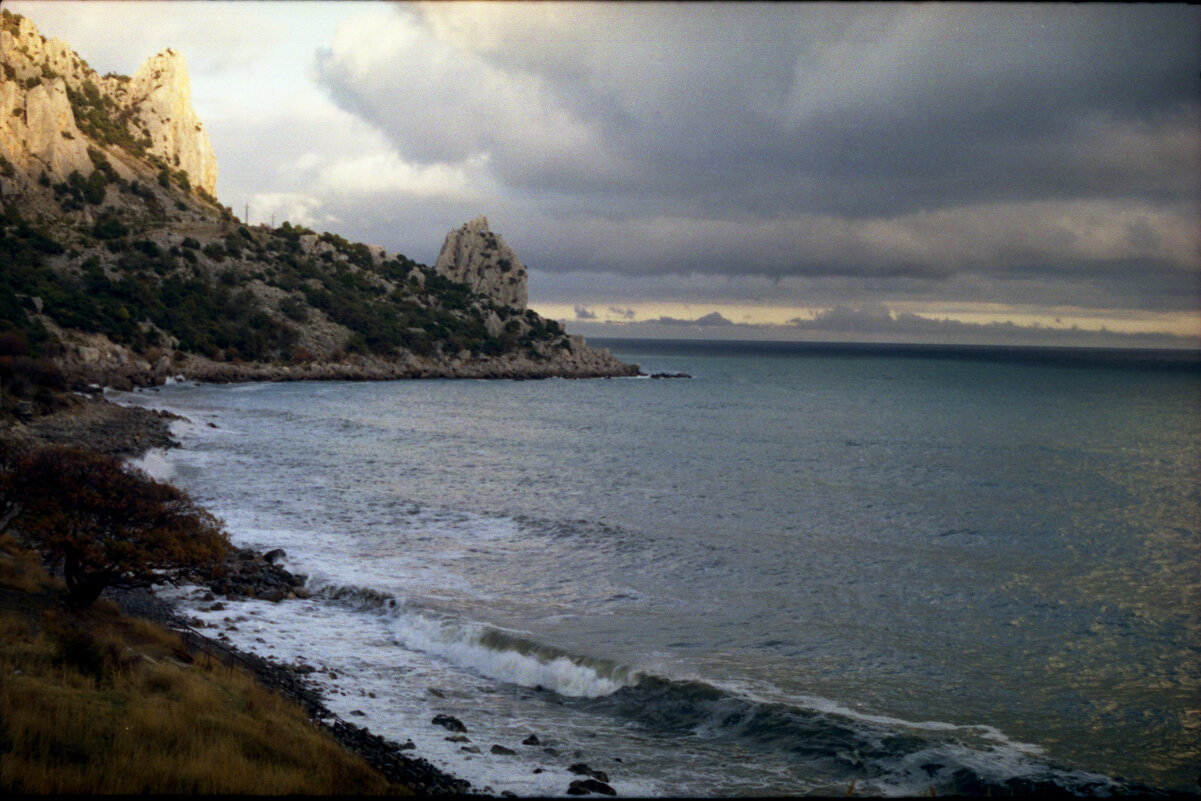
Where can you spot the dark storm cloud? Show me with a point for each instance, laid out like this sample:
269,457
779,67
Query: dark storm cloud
910,142
584,313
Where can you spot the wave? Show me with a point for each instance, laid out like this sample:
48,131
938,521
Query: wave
880,753
883,754
154,463
491,651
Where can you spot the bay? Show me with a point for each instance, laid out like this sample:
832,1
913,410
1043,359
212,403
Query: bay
966,570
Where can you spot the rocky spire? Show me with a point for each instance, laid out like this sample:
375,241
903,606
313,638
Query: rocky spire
475,256
161,95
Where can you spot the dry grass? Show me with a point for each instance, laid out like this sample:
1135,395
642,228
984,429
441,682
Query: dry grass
95,703
21,569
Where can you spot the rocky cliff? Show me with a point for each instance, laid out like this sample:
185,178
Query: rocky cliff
49,94
475,256
116,259
160,97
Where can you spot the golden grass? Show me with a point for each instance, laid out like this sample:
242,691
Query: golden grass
21,569
95,703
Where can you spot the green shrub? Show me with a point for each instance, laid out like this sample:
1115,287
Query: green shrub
295,309
109,228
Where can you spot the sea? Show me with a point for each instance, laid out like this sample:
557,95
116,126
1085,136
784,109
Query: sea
805,570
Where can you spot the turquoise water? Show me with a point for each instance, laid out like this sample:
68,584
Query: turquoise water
962,570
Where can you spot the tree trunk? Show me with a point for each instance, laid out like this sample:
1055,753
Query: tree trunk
83,588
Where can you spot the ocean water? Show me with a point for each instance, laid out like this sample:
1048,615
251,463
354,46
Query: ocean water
965,571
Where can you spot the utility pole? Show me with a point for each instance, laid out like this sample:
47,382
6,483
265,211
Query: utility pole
246,216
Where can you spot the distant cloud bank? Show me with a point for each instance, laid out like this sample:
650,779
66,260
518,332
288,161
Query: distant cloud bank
877,323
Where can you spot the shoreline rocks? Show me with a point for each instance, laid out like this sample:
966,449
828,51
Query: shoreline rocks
383,754
246,573
112,365
125,432
129,432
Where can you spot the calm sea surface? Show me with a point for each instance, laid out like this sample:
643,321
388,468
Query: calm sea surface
908,568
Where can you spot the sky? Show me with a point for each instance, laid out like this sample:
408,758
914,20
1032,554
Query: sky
975,173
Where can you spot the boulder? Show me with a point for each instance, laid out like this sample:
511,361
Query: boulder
585,786
449,723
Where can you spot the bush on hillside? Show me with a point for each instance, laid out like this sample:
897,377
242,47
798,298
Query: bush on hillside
110,525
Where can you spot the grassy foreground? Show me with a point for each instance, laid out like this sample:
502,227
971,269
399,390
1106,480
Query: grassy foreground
96,702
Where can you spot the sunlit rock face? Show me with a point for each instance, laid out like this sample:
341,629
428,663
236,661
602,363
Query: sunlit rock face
39,132
42,131
37,127
475,256
160,93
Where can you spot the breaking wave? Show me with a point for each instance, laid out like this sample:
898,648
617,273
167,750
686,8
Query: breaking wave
491,651
887,755
880,753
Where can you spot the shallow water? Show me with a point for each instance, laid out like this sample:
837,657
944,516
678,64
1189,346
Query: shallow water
796,570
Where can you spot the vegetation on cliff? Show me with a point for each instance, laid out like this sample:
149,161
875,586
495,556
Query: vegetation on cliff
234,293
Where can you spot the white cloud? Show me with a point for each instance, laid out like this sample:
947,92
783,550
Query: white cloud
296,208
119,36
388,173
442,102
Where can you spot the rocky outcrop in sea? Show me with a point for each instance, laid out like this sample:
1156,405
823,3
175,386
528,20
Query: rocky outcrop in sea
474,255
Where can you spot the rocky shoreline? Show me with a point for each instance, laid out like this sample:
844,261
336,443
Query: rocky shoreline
125,432
386,756
94,360
129,432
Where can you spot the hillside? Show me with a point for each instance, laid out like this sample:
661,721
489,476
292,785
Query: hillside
119,266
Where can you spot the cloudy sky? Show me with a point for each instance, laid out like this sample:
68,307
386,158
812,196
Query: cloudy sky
895,171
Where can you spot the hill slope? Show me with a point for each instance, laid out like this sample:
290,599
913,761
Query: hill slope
117,262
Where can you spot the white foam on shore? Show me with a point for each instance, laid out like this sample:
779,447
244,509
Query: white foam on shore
155,463
367,680
508,657
488,650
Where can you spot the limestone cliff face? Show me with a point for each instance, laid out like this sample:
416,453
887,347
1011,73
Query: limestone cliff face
37,126
41,134
44,84
160,94
475,256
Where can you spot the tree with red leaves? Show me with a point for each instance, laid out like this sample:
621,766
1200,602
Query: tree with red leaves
111,525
